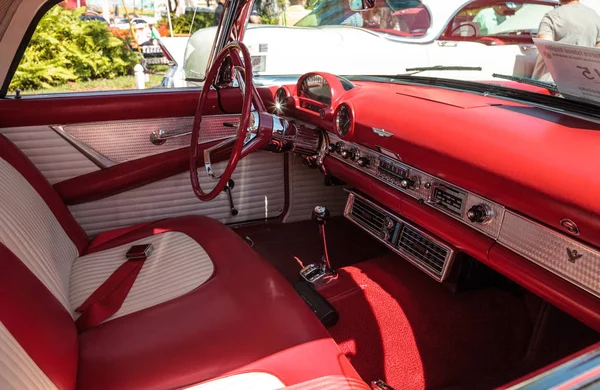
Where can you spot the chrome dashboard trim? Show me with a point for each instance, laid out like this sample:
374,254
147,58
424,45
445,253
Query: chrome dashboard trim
557,253
424,188
451,254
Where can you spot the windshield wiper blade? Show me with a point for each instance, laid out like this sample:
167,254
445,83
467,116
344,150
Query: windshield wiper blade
412,71
526,80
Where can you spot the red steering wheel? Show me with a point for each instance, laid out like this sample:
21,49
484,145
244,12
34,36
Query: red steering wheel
240,68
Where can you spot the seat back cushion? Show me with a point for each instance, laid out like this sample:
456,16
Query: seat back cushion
39,241
35,225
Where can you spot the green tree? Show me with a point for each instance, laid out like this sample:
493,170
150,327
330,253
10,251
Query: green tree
65,48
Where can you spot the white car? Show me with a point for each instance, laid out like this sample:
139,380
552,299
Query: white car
412,34
123,24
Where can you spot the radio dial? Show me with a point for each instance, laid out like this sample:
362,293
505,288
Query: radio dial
479,213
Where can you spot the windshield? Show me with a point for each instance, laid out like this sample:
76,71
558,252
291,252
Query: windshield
482,41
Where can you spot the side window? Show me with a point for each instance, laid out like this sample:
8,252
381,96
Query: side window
108,45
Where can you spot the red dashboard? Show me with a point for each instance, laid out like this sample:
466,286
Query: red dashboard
534,168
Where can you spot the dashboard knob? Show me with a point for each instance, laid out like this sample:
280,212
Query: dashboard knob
348,154
363,162
478,213
384,235
331,148
339,146
388,223
407,183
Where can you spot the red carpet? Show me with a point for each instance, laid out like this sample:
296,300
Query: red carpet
399,325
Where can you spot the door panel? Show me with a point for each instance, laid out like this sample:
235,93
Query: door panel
97,142
258,194
121,141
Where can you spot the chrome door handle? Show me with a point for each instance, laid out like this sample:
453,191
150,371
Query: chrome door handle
161,136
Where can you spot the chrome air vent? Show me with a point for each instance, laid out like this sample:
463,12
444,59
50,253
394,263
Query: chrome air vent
423,250
371,218
428,253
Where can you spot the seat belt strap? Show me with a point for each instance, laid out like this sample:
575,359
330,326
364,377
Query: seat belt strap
109,297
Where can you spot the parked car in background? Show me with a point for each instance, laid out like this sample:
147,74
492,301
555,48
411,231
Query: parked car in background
415,33
97,18
123,24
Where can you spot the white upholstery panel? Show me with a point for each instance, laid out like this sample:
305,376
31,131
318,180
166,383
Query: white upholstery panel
17,369
30,230
177,265
307,190
259,193
57,159
245,381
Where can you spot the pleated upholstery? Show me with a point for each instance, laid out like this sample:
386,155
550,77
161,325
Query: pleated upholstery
30,230
177,265
17,369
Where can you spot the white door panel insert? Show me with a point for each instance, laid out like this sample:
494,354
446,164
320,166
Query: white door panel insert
259,193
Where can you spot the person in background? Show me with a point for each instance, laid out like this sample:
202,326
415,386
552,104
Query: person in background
254,16
572,23
489,18
292,15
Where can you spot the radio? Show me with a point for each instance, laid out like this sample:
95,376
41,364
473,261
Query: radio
448,199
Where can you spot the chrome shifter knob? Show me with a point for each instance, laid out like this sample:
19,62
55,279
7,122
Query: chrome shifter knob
320,214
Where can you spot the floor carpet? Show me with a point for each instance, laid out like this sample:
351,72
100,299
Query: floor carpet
399,325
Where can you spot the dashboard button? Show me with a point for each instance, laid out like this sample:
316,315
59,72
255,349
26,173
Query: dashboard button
348,154
363,162
407,183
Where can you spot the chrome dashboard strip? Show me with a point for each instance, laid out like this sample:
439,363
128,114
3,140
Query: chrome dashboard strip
559,254
424,190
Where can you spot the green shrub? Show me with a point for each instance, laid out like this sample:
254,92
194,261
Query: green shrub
182,23
65,48
269,19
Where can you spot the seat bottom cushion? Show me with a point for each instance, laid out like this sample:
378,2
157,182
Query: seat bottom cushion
177,265
245,318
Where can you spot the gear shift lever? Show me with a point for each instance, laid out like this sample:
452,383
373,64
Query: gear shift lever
321,273
320,214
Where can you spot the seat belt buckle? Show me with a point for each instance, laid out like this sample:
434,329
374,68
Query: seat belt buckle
139,252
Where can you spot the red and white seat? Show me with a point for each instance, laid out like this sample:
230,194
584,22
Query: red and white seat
204,305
